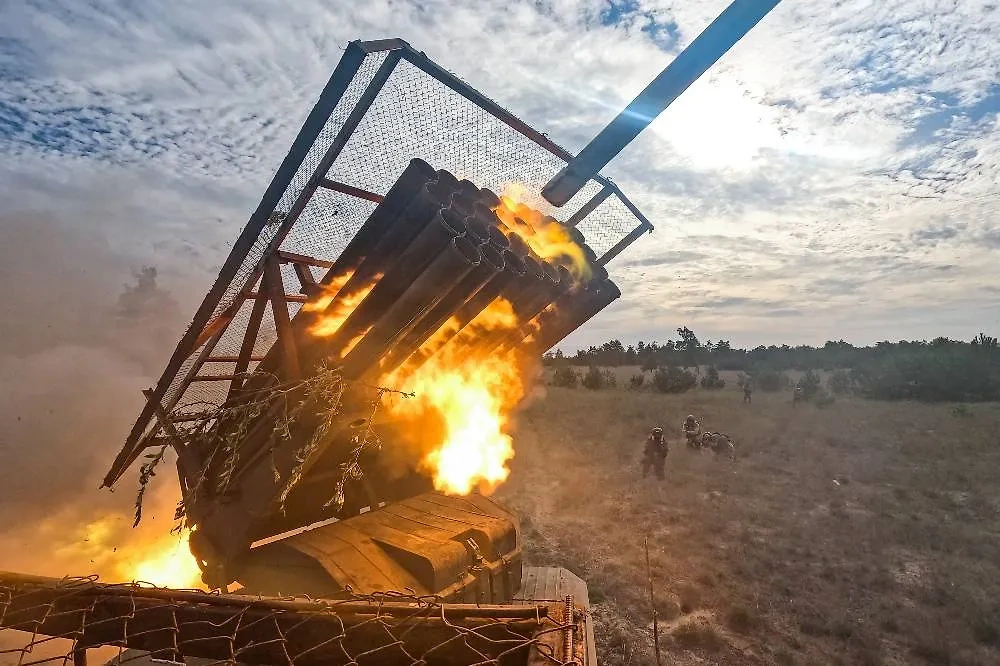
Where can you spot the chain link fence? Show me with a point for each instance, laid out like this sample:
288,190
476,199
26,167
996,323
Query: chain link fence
76,620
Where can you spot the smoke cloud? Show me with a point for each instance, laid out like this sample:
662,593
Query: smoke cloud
83,329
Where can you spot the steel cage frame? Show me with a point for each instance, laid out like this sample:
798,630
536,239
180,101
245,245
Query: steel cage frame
209,323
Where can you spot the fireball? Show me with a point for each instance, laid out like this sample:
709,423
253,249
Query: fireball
332,315
473,400
545,235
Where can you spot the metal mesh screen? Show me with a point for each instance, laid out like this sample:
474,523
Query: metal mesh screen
333,125
69,620
415,115
355,89
604,226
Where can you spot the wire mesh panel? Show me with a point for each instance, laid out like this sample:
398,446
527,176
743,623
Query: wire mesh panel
305,172
45,620
385,105
416,115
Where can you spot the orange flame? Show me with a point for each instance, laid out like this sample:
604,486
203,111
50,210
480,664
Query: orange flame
473,397
168,563
440,336
545,235
496,316
110,547
331,318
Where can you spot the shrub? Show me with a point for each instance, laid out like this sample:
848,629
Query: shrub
636,381
566,377
594,379
986,630
839,382
961,411
711,380
672,379
770,380
810,385
742,619
741,379
610,380
695,633
649,364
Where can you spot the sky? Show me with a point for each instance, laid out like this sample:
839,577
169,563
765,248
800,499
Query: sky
834,176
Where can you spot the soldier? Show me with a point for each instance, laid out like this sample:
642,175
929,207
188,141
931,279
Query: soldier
692,432
655,454
720,443
747,391
797,396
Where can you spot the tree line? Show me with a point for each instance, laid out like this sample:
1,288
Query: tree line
941,369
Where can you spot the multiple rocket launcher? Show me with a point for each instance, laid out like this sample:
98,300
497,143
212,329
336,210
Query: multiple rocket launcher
432,256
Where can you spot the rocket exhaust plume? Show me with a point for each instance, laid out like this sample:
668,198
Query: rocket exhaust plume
491,264
442,227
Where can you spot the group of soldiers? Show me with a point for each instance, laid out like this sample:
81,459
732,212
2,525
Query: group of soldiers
654,457
655,453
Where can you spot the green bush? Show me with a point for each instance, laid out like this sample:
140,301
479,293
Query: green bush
566,377
810,385
672,379
711,380
770,380
594,379
839,382
649,364
961,411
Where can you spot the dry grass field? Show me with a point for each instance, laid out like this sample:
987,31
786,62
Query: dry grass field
858,533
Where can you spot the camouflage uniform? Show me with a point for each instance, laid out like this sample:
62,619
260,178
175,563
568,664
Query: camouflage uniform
747,392
719,443
797,396
655,454
692,432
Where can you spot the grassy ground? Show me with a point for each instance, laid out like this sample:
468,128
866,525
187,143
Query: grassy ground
859,533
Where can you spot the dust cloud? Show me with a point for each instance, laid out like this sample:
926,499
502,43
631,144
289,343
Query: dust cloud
82,330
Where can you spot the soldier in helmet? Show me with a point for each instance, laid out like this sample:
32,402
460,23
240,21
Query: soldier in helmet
748,390
797,396
655,454
692,432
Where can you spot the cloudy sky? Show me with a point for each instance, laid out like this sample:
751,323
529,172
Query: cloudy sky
834,176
